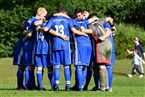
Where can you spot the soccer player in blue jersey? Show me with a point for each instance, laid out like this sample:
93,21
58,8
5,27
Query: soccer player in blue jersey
112,62
83,50
28,47
61,52
42,55
18,60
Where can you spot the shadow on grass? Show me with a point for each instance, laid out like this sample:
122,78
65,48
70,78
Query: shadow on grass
119,73
8,89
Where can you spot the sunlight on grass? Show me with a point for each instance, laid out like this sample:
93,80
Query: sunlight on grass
122,85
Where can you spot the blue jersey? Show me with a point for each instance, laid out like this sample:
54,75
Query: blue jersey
82,40
29,43
61,25
42,42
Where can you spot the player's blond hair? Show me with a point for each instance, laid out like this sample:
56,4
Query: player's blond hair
41,10
86,14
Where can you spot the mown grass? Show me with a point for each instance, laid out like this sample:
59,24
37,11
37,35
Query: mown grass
122,85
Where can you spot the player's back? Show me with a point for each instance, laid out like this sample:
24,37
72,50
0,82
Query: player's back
61,25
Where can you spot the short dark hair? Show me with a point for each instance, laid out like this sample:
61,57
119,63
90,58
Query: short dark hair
92,15
48,16
78,10
61,8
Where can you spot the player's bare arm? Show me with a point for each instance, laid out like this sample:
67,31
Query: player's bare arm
27,37
87,31
108,32
78,32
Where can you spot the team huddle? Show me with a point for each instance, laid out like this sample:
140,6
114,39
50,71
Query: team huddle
49,41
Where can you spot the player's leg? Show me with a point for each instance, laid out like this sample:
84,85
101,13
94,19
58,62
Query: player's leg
51,76
110,76
56,61
103,77
79,77
88,77
29,71
67,61
20,74
96,76
67,77
39,72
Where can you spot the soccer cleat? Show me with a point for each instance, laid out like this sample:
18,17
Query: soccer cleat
56,89
110,90
129,75
80,89
42,89
95,89
74,88
20,88
85,89
67,89
141,75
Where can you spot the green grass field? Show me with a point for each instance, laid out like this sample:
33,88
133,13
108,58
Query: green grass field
123,86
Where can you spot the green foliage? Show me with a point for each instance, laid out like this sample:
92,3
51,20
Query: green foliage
124,39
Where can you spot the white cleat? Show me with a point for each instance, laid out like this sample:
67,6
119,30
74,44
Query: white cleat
129,75
140,76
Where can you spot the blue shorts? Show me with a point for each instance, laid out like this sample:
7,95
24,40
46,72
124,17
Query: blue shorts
61,57
82,56
42,60
28,58
18,57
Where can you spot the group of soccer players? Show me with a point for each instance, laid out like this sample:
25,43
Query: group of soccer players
47,43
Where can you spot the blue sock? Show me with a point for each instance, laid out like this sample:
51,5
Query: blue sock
39,78
88,77
67,76
97,79
51,78
110,76
20,73
84,74
57,75
79,77
26,77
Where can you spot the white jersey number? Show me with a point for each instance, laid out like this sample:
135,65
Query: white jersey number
59,29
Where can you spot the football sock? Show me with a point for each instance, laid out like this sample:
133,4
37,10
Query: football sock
67,76
20,73
51,78
84,74
79,77
39,78
96,76
88,77
110,76
57,75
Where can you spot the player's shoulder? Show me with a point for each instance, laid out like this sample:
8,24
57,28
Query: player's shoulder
32,19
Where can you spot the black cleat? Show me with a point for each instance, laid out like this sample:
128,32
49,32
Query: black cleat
67,89
56,89
42,89
74,88
80,89
95,89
